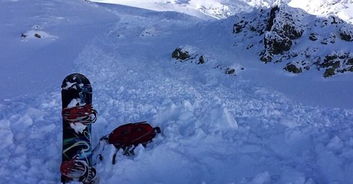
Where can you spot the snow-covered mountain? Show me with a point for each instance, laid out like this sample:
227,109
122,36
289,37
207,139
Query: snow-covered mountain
341,8
226,116
201,8
225,8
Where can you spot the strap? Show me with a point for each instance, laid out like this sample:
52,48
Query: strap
98,150
82,114
114,156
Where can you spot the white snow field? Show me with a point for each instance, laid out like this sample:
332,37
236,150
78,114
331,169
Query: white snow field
260,126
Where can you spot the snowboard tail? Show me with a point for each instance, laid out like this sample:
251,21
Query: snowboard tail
78,115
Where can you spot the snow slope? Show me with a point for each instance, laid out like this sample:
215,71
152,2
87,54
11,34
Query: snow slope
32,65
217,128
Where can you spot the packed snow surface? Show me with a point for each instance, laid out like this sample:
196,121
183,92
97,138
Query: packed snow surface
259,126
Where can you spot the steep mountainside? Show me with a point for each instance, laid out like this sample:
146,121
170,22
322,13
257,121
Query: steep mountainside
300,40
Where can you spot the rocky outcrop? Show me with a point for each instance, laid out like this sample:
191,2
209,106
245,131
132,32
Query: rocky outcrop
276,44
282,27
337,63
297,38
180,54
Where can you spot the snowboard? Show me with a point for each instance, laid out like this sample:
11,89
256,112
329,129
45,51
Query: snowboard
78,116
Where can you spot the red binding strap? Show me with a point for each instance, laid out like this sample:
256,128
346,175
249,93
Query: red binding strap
80,114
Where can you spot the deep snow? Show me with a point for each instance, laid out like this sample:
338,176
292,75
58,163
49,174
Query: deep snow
217,128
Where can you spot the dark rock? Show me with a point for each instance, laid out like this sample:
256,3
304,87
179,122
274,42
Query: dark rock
329,72
350,69
292,68
249,46
265,56
284,24
23,35
324,42
346,37
336,63
272,17
230,71
346,33
238,27
334,20
330,57
37,35
178,53
307,67
331,61
292,32
201,60
313,36
350,61
276,44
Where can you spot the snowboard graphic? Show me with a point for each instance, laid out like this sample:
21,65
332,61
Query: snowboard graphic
78,115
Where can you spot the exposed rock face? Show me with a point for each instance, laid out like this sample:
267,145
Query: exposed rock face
298,38
276,44
337,63
282,27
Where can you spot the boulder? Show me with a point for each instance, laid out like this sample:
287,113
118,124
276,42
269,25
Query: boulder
292,68
180,54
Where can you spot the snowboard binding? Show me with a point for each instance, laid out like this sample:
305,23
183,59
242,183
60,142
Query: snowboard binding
79,169
81,114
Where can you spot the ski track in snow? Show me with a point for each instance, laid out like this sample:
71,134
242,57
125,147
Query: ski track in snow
216,128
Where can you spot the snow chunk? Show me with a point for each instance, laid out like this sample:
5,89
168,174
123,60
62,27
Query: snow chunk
229,119
218,117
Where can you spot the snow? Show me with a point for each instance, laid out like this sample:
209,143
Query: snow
256,127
